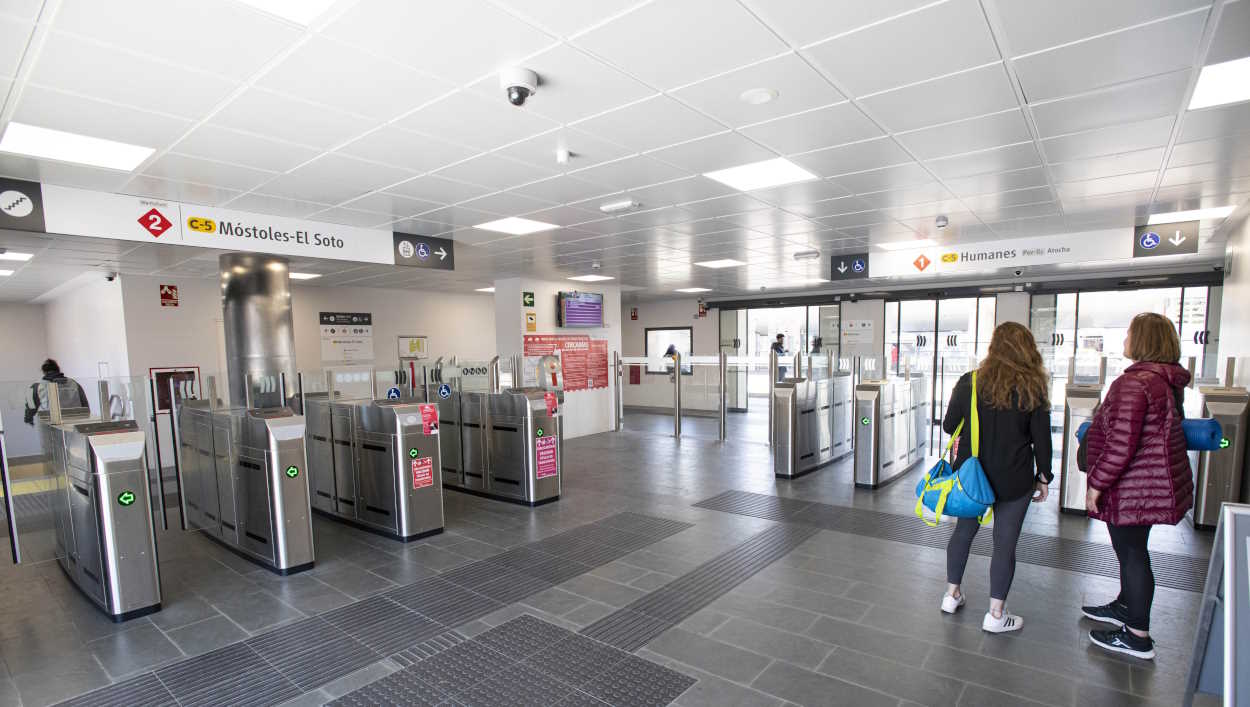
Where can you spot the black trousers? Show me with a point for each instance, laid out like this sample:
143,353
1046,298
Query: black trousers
1137,580
1008,521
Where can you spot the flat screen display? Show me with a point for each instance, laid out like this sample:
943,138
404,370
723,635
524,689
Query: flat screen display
581,309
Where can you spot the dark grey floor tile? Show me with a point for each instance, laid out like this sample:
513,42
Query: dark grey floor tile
819,602
58,683
207,635
602,590
786,618
711,691
311,652
519,686
902,681
619,572
651,581
805,687
141,691
356,582
141,648
383,625
709,655
978,696
555,601
354,681
589,613
181,610
575,660
234,675
1001,675
637,682
772,642
257,610
869,640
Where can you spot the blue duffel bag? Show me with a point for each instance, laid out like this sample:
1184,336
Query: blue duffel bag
1202,434
959,493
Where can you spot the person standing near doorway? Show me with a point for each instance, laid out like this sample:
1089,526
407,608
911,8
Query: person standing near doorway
779,348
70,393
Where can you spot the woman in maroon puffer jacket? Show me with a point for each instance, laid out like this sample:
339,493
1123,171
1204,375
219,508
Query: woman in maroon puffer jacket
1139,474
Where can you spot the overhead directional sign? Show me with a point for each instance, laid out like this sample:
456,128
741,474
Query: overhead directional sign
852,266
424,252
1165,239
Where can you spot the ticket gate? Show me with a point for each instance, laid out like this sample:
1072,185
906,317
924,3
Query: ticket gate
798,445
1080,399
244,480
892,428
842,414
376,464
102,511
1218,478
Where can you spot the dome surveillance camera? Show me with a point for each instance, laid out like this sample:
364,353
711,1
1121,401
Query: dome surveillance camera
109,277
1019,272
518,84
596,265
942,222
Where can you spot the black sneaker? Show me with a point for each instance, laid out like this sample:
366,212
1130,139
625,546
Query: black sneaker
1124,641
1113,613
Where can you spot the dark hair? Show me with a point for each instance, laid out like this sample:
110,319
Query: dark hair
1152,338
49,366
781,336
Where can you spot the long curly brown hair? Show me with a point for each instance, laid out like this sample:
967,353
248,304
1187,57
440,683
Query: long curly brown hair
1013,364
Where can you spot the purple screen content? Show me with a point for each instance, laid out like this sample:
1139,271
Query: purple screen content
582,309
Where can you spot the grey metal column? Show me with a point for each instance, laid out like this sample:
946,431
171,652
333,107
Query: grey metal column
9,511
721,395
772,384
176,443
618,398
156,444
256,311
677,395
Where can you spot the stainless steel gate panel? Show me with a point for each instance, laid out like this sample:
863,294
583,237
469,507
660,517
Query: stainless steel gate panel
224,461
473,434
450,441
320,451
1219,476
1080,399
342,429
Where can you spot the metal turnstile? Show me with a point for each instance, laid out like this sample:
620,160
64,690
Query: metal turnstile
1218,478
1080,399
524,456
891,424
385,471
1220,663
842,414
245,481
102,511
797,437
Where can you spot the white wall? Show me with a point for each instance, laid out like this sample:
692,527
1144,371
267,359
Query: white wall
1012,307
698,389
1234,319
86,330
25,347
871,310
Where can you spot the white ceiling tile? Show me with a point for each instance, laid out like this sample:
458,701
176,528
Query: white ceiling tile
920,193
585,149
563,18
460,216
366,176
656,217
1108,141
506,204
461,40
404,148
1032,26
964,95
1232,148
564,215
1004,213
67,175
437,189
14,34
1107,185
422,227
858,218
1219,174
724,206
276,206
830,207
85,116
392,204
630,172
1214,122
895,177
713,153
651,123
802,21
217,143
801,193
799,87
676,192
1108,166
469,119
1111,59
1139,100
1030,227
940,39
562,189
1015,197
824,127
308,188
967,135
217,36
493,171
67,64
332,73
219,174
998,159
572,85
1232,36
855,157
266,113
668,43
1002,181
352,217
156,188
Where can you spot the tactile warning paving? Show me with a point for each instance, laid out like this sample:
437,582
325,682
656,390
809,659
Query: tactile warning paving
143,691
428,648
461,666
383,625
522,636
234,675
644,524
399,689
576,660
1185,572
580,699
648,616
635,682
311,652
519,686
444,602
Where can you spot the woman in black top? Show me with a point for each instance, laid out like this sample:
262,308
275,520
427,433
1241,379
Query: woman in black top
1015,452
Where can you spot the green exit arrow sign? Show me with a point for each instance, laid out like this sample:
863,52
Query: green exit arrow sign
865,420
539,432
412,453
1224,443
292,471
125,498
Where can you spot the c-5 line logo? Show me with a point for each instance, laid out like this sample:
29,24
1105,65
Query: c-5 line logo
16,204
201,224
950,257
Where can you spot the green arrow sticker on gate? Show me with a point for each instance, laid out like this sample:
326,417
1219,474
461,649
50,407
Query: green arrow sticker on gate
864,420
539,432
1224,443
412,453
292,471
126,498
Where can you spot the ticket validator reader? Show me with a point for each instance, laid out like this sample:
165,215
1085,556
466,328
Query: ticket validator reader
891,427
1080,399
811,420
1219,475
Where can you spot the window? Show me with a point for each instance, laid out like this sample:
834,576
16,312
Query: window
658,341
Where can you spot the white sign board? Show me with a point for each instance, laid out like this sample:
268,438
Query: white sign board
346,337
414,347
857,331
970,258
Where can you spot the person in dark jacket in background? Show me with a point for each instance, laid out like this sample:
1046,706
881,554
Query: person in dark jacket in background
1139,474
1015,452
52,374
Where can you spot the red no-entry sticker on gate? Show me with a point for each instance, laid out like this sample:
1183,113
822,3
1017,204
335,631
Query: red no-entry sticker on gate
552,403
429,418
422,472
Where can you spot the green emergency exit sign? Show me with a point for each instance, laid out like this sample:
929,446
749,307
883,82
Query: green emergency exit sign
413,453
292,471
527,299
1224,443
865,420
126,498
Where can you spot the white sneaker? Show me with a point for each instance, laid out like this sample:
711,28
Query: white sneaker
1008,622
950,604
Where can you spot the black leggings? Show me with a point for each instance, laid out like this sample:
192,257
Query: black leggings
1008,520
1137,580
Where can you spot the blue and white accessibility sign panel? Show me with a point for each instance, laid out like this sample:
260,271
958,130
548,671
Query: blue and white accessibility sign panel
444,391
392,393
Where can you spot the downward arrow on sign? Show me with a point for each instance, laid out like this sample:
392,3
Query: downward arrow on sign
1177,239
842,267
441,253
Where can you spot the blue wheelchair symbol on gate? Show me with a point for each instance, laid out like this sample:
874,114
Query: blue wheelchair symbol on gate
423,251
444,391
1150,240
392,393
857,265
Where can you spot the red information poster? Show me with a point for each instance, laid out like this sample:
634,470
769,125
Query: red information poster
546,461
422,472
429,418
584,361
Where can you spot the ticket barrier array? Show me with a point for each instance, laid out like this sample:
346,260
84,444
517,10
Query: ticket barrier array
812,423
1219,474
891,428
375,463
243,474
102,510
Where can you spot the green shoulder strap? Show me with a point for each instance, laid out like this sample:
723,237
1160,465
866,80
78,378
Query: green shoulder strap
976,423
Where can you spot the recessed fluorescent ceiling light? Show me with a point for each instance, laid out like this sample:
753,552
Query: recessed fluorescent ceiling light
761,175
1227,82
5,273
304,276
692,290
43,143
516,226
613,207
485,289
904,245
1195,215
13,255
723,263
301,12
590,278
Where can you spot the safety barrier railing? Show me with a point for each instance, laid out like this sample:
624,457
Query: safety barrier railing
702,380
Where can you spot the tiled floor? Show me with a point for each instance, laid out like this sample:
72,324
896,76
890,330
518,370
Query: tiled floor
839,618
